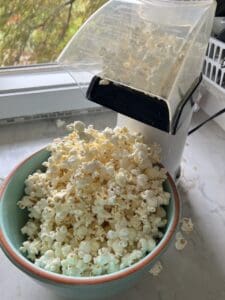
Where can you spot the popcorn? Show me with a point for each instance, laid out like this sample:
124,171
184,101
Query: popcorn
104,82
120,178
156,269
97,207
49,262
30,229
60,123
142,181
129,259
187,225
87,258
146,245
77,126
180,243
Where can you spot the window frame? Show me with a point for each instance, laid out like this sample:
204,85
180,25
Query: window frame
39,89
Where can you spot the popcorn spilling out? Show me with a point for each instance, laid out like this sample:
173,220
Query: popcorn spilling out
99,206
180,243
187,225
156,269
60,123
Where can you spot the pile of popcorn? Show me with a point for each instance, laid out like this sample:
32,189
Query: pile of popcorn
99,205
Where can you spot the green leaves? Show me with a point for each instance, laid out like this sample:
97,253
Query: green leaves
37,31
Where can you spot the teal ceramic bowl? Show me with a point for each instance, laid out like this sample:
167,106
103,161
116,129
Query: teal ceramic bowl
12,219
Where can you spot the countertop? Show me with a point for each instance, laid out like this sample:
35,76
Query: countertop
197,272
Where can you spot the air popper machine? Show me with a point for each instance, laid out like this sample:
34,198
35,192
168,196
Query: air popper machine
143,59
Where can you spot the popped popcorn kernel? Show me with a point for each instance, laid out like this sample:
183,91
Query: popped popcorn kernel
60,123
156,269
187,225
180,242
99,206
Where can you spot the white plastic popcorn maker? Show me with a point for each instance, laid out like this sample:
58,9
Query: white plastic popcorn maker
143,59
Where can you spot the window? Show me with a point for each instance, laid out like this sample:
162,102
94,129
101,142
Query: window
33,32
32,35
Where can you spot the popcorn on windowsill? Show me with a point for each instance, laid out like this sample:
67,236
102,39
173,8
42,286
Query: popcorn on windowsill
60,123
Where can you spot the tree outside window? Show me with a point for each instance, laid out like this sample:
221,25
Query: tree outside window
36,31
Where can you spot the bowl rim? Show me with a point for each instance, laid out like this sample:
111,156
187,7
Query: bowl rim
41,274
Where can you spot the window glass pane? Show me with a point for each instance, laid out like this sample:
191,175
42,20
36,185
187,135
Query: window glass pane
36,31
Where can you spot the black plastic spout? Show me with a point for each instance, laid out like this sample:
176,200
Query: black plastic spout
142,107
132,103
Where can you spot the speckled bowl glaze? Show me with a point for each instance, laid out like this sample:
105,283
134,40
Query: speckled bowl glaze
12,219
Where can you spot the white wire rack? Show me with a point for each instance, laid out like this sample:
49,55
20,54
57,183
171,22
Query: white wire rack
214,64
212,90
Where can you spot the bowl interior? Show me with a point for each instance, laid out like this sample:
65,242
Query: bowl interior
13,218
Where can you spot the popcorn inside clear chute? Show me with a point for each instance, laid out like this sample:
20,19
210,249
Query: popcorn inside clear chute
99,206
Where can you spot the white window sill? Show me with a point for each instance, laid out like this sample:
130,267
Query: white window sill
31,78
41,89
